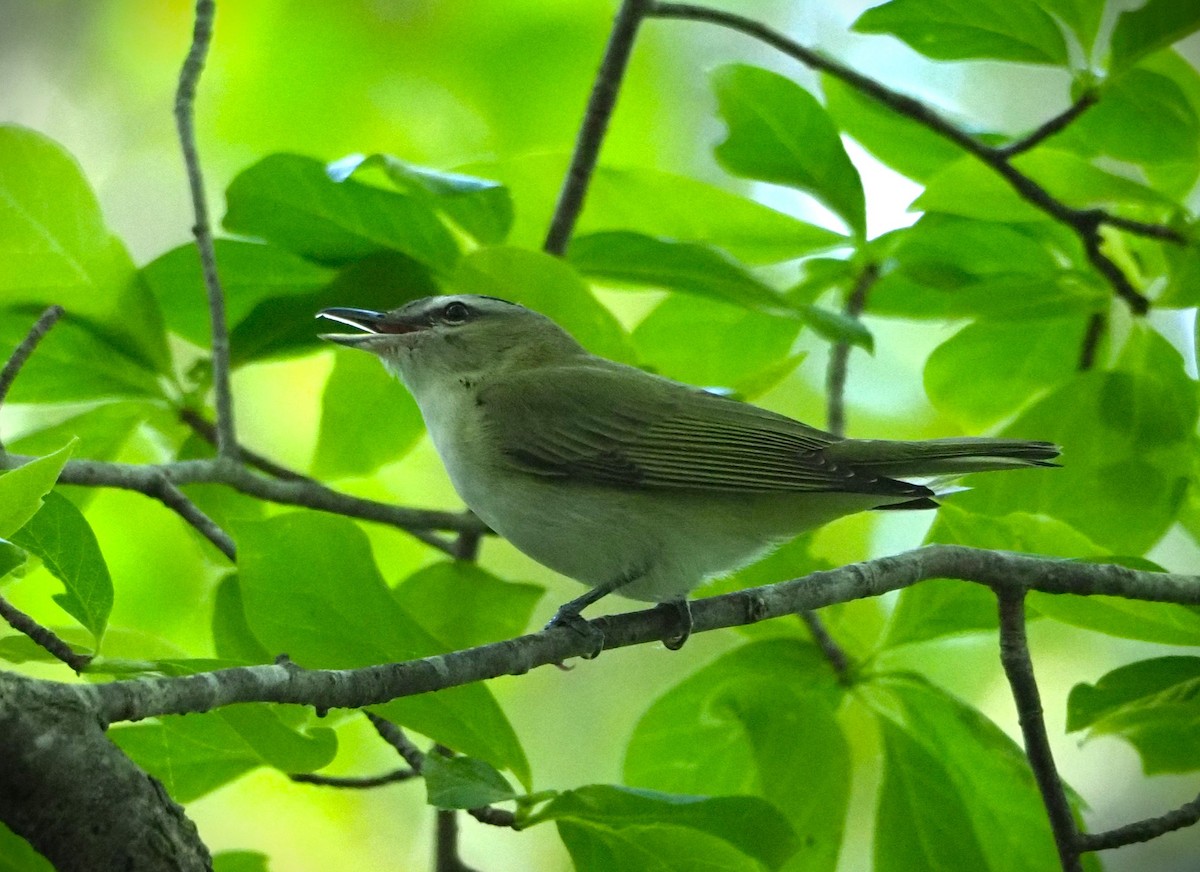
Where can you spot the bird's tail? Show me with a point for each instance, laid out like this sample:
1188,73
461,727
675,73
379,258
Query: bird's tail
939,457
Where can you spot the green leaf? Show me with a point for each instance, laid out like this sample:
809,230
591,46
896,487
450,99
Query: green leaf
958,793
712,344
1153,704
990,370
74,363
481,207
1082,16
619,829
295,572
838,327
642,261
11,557
900,142
240,861
463,782
17,855
367,418
779,133
195,754
22,489
938,608
102,431
745,710
285,325
548,285
1127,451
1183,277
250,274
1142,117
1165,623
61,536
462,606
1008,30
56,249
658,204
1145,30
232,637
290,201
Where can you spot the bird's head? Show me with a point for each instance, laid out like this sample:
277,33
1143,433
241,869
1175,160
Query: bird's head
456,336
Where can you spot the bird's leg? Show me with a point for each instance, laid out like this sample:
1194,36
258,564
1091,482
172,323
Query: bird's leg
683,614
568,615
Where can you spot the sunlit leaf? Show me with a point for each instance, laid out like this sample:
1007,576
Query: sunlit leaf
958,793
481,207
463,782
22,489
1153,704
1155,25
61,536
631,258
56,249
745,709
290,201
295,572
1010,30
778,132
367,418
195,754
462,605
659,204
620,829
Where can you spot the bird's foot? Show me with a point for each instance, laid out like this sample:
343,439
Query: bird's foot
568,616
682,610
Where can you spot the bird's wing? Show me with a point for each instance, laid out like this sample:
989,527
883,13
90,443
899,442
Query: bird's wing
604,423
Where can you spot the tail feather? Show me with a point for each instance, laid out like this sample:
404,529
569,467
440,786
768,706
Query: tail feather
940,456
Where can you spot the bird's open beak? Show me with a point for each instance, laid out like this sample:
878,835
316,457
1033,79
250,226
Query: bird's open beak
373,324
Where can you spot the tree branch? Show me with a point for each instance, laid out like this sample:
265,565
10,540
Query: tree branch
21,353
1097,324
207,431
356,688
1142,831
306,493
356,783
595,123
43,636
839,354
185,97
1055,125
1085,222
1014,655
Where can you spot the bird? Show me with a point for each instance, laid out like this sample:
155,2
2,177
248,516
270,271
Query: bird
622,479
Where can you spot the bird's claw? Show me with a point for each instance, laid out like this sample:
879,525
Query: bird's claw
566,617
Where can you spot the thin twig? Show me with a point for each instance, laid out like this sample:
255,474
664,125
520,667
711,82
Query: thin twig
1142,831
446,857
207,431
595,122
839,354
175,500
21,353
352,782
1097,324
1055,125
1085,222
145,479
395,736
43,636
185,97
1014,655
834,653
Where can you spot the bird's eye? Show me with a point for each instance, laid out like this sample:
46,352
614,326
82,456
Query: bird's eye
455,313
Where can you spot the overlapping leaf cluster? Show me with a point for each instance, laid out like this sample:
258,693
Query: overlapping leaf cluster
748,763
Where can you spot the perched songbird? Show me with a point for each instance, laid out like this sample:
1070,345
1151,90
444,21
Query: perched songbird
623,480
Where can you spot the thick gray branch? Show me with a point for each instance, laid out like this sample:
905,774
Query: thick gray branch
1002,571
76,797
